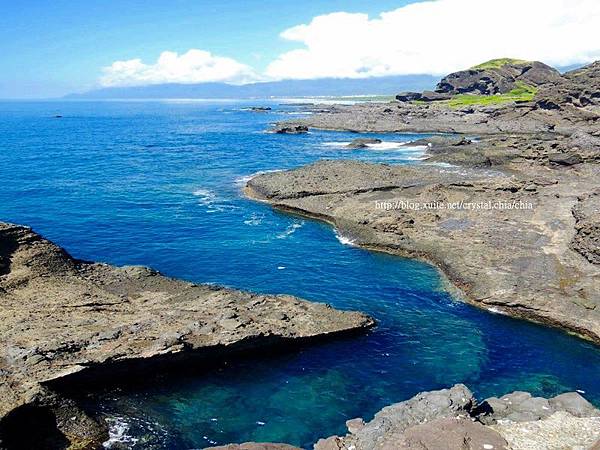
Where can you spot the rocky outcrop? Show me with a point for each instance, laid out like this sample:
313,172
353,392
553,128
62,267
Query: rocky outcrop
498,77
577,88
290,129
507,189
453,419
62,318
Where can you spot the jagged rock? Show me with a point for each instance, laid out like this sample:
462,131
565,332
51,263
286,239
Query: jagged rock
451,419
62,318
498,78
579,87
363,143
389,424
291,129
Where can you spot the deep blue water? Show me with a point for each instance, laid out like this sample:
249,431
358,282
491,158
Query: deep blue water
159,184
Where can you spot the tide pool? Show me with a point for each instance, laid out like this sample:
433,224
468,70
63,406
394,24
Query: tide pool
159,184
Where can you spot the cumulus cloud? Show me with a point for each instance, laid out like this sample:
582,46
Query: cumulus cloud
442,36
432,37
194,66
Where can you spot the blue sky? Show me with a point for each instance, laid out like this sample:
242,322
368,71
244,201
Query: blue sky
50,48
53,47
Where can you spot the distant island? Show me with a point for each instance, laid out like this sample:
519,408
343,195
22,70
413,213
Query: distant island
388,85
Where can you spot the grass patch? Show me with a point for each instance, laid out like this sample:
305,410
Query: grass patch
521,93
498,63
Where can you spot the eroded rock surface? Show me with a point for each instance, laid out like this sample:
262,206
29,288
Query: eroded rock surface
61,316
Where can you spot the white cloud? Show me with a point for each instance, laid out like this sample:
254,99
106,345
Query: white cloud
194,66
441,36
433,37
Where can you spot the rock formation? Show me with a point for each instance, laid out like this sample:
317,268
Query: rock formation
531,225
62,318
452,419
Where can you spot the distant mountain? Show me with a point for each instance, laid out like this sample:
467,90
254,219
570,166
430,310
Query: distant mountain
388,85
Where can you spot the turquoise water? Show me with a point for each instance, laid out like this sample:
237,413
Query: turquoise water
159,184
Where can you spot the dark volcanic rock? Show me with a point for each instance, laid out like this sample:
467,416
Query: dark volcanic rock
260,108
497,80
579,88
291,129
363,143
61,317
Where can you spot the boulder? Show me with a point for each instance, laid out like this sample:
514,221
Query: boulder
408,96
431,96
291,129
574,404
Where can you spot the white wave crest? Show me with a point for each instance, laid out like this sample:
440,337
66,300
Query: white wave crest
344,240
291,229
212,202
241,181
118,429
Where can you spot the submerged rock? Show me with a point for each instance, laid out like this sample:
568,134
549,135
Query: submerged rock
363,143
61,316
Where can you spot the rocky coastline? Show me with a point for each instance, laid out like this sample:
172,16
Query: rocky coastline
64,319
536,259
510,217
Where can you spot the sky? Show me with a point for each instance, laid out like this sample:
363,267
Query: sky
51,48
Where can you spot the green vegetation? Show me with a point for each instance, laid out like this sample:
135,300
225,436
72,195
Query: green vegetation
522,93
498,63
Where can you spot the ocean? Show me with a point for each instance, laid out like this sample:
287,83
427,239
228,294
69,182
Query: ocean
160,184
